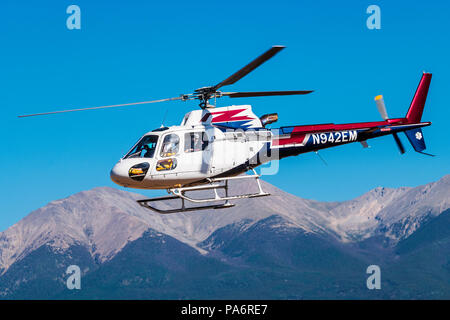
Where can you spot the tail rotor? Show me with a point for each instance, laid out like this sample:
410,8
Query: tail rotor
382,110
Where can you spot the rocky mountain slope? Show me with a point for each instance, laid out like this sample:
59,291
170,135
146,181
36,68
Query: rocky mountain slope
302,237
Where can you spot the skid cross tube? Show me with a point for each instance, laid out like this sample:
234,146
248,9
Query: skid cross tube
180,191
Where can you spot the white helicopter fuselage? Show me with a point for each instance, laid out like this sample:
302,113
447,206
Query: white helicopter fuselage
198,149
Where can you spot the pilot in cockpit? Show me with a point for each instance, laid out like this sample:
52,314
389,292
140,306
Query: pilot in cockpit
148,151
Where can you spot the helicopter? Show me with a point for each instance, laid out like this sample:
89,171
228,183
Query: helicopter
214,145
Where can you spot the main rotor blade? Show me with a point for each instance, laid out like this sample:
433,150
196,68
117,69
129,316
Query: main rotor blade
102,107
264,93
399,143
250,67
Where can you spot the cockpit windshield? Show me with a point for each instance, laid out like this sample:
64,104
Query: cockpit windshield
145,148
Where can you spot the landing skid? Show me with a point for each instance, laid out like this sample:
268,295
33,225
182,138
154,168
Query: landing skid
213,184
145,203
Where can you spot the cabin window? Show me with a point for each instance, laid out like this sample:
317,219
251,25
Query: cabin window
170,145
145,148
195,141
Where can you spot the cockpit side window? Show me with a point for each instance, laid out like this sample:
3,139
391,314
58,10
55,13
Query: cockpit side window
145,148
170,145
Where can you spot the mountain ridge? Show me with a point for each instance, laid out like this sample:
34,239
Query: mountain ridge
105,220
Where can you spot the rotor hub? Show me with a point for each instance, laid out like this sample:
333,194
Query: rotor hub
204,94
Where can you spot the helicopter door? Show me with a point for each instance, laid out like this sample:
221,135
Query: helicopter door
196,154
168,154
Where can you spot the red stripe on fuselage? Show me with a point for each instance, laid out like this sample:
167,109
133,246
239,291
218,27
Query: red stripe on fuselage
296,139
347,126
229,115
299,132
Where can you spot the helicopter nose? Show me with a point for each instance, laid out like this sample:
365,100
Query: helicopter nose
119,174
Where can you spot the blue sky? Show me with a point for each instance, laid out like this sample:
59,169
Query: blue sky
142,50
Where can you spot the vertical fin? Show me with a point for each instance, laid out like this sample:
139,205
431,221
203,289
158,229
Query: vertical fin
415,111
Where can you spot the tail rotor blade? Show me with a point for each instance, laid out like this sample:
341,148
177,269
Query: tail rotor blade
382,110
381,107
399,143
